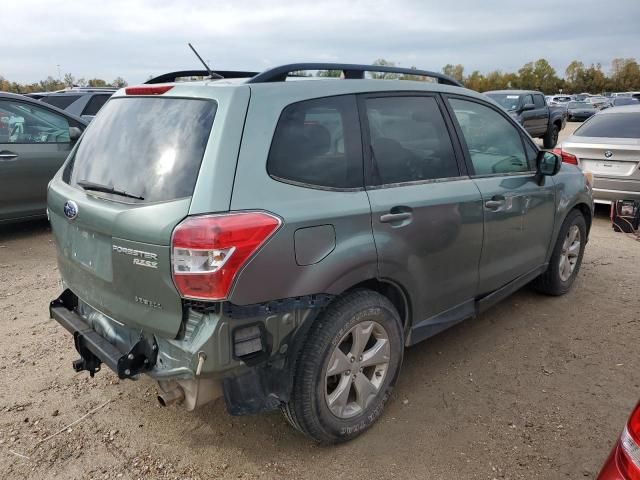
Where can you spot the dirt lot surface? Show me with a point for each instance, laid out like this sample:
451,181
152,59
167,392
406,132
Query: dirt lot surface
536,387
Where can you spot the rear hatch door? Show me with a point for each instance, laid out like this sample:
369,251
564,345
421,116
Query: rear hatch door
114,246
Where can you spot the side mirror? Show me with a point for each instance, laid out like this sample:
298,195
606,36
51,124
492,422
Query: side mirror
528,106
548,163
74,134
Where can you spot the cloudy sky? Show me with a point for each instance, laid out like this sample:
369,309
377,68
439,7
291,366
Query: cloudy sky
138,38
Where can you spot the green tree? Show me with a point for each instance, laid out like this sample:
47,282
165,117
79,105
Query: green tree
454,71
69,80
119,82
384,75
96,82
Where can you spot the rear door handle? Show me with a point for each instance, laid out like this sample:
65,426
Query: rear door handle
395,217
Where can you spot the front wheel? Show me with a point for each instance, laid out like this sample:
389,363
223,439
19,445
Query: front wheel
566,258
347,369
550,138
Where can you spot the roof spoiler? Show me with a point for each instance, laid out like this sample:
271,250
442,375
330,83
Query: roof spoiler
172,76
349,71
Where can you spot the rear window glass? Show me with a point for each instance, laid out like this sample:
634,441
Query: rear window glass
317,143
145,146
60,101
612,125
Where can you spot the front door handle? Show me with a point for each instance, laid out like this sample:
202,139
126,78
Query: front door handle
495,203
8,156
395,217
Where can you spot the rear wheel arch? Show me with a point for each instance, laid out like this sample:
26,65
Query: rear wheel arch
394,293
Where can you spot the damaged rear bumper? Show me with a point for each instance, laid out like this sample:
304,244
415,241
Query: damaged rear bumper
204,363
94,349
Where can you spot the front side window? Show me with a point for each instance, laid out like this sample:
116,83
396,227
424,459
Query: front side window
538,101
527,99
317,143
494,144
26,123
409,140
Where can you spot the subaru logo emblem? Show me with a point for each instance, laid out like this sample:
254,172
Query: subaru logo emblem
70,209
608,154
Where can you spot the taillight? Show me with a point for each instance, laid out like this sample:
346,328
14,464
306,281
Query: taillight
208,251
629,449
148,90
566,157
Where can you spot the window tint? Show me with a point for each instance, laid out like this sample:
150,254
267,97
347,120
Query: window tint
409,140
147,146
60,101
25,123
532,154
527,99
538,101
95,104
494,143
612,125
317,142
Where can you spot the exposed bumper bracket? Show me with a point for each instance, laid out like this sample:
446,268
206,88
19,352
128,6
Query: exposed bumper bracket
94,349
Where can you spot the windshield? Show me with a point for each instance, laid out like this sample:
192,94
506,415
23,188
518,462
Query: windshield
508,101
562,99
612,125
579,105
148,147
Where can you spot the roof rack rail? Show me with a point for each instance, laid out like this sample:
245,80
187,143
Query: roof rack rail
172,76
350,71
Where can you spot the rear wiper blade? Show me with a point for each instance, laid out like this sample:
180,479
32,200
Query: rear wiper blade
96,187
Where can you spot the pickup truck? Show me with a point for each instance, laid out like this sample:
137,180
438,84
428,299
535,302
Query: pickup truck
530,109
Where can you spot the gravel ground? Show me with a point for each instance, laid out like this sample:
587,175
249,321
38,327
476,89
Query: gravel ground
537,387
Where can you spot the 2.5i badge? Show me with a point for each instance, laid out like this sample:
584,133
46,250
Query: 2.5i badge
140,257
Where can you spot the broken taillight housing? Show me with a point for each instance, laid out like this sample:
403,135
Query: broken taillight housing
208,251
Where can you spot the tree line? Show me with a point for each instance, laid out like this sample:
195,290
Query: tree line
539,75
624,75
51,84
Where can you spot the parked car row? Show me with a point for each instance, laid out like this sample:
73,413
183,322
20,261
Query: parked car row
83,102
608,146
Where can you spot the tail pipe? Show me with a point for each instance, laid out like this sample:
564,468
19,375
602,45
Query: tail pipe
175,395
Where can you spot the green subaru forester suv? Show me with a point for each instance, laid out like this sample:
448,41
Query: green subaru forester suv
279,243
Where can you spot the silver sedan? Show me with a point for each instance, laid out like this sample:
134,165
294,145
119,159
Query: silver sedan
608,146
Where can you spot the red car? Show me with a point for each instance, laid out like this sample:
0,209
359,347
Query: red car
624,460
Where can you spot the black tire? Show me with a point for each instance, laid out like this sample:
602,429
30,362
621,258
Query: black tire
551,281
308,409
550,138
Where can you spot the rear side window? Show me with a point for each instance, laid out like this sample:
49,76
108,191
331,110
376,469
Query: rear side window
409,140
95,104
612,125
146,146
317,143
538,101
60,101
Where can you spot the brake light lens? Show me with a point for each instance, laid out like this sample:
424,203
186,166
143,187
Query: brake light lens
566,157
207,252
148,90
624,461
